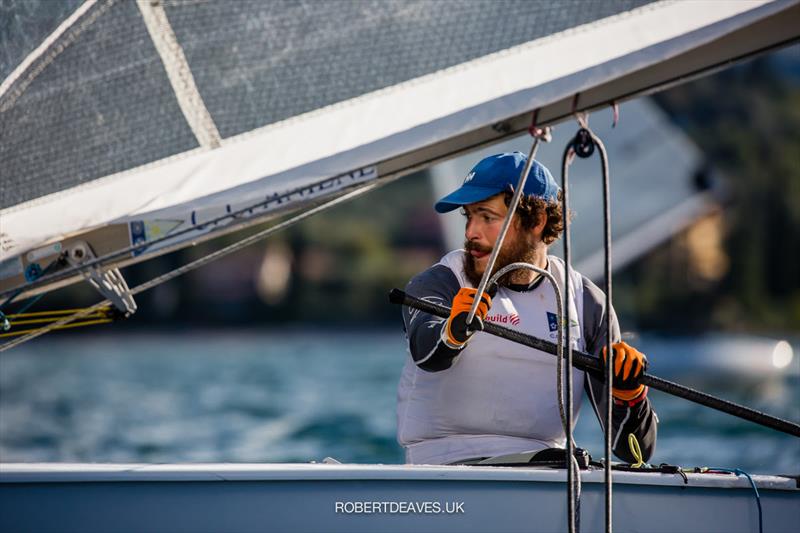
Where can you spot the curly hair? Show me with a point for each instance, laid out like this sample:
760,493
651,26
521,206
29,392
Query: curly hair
529,209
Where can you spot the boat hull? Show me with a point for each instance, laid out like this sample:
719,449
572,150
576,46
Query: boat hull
351,498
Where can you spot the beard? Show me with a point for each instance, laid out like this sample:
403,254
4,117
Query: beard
520,250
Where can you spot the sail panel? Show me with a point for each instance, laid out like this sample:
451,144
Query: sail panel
102,105
396,129
24,27
258,63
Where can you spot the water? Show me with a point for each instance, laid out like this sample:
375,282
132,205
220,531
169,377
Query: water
298,396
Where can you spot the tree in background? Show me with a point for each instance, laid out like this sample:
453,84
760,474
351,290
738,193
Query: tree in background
747,121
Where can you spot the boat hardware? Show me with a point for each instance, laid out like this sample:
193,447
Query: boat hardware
57,263
49,276
110,283
589,363
243,243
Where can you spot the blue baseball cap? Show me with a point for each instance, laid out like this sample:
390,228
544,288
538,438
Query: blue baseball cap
498,173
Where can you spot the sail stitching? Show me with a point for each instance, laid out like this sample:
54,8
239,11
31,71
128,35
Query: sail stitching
54,52
179,73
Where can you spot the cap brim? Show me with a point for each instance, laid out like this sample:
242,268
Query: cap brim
464,196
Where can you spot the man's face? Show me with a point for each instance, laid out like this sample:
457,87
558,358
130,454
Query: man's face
484,220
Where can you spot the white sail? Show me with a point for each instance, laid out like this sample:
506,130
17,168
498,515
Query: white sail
320,146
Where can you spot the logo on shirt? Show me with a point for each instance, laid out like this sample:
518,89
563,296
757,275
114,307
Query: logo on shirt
512,319
552,322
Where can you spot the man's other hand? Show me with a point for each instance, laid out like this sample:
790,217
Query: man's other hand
628,365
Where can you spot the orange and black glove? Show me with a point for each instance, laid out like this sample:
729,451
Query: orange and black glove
455,334
628,365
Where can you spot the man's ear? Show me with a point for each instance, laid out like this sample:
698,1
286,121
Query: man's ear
540,224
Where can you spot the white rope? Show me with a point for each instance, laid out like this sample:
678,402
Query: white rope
179,74
559,335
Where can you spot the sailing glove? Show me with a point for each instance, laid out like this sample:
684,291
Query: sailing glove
455,333
628,365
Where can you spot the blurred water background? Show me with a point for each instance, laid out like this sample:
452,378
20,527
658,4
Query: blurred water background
300,395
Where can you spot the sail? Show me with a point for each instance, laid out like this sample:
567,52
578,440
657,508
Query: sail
123,123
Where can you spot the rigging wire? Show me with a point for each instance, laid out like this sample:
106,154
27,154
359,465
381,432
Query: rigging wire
583,145
609,360
499,243
566,159
538,134
243,243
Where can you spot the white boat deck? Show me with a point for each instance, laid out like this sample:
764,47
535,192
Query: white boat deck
131,472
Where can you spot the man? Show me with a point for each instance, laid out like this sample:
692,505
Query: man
466,395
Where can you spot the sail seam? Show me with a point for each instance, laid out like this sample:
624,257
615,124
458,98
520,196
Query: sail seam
479,61
54,52
179,73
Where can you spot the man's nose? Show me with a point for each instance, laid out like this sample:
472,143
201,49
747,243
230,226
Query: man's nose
471,231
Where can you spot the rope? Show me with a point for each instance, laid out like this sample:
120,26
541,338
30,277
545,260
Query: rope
103,315
560,332
740,472
247,241
566,159
571,463
636,451
29,304
583,145
51,319
46,313
65,326
607,249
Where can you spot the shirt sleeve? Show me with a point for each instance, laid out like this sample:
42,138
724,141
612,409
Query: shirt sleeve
639,419
437,285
